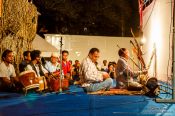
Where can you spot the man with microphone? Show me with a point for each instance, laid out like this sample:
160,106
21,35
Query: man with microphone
126,77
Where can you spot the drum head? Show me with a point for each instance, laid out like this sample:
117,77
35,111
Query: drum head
27,72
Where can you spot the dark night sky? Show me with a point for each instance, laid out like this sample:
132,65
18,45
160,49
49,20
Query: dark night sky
88,17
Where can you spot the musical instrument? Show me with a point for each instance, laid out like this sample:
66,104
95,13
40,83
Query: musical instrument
139,51
42,83
61,60
150,85
28,80
56,73
152,55
134,86
55,84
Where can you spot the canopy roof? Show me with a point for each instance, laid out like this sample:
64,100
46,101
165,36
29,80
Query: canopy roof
41,44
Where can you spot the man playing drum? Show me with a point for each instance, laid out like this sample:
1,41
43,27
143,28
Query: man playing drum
36,64
37,67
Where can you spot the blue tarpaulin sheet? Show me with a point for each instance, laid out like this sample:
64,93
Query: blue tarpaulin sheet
75,102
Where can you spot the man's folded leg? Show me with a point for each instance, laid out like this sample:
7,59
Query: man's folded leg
105,85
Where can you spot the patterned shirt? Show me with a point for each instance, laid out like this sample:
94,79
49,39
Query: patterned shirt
89,73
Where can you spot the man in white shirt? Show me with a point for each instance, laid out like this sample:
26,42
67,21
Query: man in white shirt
53,65
7,72
93,80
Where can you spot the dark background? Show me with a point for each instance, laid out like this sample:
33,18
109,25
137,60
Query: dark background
88,17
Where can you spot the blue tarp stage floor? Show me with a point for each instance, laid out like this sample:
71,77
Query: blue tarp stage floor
77,103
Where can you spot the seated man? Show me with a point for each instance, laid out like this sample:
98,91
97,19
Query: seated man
125,75
26,61
93,80
111,71
75,71
8,79
66,65
40,72
35,64
53,66
104,66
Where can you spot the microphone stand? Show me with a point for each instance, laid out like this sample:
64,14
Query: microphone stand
61,60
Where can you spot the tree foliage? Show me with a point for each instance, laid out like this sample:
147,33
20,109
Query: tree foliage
89,17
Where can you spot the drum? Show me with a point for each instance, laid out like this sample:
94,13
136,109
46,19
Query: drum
42,83
55,84
65,84
56,73
150,84
28,80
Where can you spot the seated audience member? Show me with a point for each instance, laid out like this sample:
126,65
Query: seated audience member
114,65
8,80
125,75
104,66
91,79
25,62
111,71
75,73
66,65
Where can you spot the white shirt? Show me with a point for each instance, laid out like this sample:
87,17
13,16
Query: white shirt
89,73
7,71
52,68
29,67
